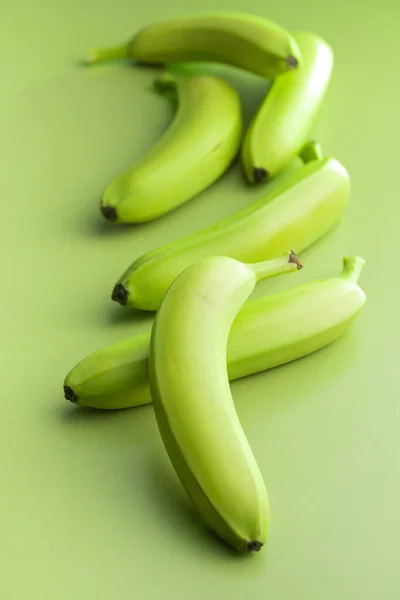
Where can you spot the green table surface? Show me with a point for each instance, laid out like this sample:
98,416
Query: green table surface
90,506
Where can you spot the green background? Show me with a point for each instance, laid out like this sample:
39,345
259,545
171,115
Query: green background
90,507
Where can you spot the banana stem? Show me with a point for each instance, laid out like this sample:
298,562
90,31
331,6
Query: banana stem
269,268
105,54
310,151
352,267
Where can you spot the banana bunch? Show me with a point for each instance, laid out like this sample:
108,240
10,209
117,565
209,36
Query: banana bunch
206,332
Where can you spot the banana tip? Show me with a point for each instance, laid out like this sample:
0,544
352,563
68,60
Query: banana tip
294,259
120,294
90,57
109,213
292,62
254,546
70,394
260,174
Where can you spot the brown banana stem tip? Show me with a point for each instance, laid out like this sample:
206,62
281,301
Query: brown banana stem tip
293,259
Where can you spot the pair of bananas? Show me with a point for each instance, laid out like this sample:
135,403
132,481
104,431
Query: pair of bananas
205,333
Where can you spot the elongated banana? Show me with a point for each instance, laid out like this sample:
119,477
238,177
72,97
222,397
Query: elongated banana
196,150
242,40
192,400
267,332
283,121
297,213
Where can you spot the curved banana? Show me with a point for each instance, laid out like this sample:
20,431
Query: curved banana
197,149
283,120
242,40
192,400
267,332
298,212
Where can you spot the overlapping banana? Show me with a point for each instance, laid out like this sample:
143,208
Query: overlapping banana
267,332
202,335
197,149
192,400
282,123
296,214
246,41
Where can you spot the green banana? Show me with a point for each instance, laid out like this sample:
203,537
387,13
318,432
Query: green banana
296,322
197,149
267,332
298,212
238,39
192,400
283,121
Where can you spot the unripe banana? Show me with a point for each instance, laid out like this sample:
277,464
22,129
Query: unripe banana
196,150
298,212
296,322
283,120
242,40
192,400
267,332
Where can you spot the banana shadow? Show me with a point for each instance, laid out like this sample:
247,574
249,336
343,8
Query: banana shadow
122,426
99,226
297,381
70,413
160,485
119,314
173,508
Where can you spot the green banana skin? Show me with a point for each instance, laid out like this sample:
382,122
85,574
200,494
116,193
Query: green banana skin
195,151
296,322
283,121
267,332
242,40
192,400
296,214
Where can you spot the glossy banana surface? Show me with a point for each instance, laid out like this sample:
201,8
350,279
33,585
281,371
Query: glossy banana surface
242,40
197,149
294,215
282,123
192,400
267,332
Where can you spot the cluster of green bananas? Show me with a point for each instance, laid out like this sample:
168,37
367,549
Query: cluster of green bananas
205,332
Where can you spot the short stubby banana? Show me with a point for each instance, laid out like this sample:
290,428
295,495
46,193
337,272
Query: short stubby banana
283,121
296,214
267,332
197,149
242,40
192,400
